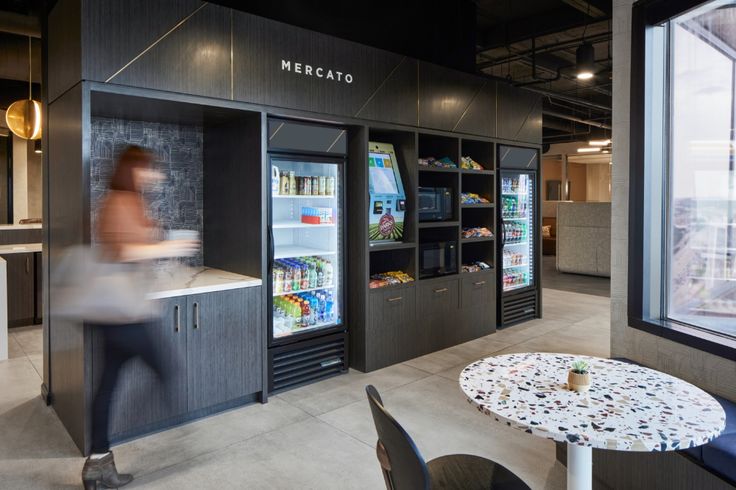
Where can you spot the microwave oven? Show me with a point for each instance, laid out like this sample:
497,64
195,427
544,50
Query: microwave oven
437,258
435,204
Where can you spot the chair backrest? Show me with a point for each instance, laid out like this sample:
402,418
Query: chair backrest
403,466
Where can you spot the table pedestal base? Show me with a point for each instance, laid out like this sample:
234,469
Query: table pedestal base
579,467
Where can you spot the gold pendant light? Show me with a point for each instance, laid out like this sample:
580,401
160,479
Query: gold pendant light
23,117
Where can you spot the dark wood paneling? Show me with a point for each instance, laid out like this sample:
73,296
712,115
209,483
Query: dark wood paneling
215,339
396,99
193,59
21,289
519,114
260,45
391,331
64,47
9,237
478,306
480,116
232,195
141,397
356,195
67,225
444,96
437,314
253,340
116,31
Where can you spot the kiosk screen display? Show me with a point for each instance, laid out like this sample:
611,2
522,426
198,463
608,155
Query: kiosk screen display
381,172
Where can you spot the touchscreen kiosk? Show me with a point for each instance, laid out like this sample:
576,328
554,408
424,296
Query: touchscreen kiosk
387,197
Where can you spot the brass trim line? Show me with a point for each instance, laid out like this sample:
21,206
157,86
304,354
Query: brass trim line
380,86
156,42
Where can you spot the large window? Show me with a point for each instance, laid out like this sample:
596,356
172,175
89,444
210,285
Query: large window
686,236
701,244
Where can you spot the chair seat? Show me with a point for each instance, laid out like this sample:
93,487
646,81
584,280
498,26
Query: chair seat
467,472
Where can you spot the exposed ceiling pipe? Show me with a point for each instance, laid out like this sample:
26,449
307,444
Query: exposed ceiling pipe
547,48
22,25
572,100
559,115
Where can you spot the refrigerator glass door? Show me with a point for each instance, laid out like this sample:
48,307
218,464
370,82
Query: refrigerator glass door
307,261
517,214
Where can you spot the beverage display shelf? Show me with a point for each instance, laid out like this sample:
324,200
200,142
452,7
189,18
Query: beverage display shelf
310,328
479,239
515,244
291,224
701,278
284,293
515,218
302,196
518,194
506,267
290,251
516,286
379,246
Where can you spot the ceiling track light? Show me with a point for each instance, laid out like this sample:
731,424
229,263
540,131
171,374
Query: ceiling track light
585,61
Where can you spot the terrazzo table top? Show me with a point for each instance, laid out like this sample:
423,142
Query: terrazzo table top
628,407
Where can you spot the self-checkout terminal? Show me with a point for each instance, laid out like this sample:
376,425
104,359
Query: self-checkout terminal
387,197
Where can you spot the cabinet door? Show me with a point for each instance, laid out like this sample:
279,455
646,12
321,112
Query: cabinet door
478,305
21,289
141,398
391,333
437,308
216,335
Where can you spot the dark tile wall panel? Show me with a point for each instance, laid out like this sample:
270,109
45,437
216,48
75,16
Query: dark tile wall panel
177,204
193,59
119,30
519,114
260,45
396,100
444,96
480,116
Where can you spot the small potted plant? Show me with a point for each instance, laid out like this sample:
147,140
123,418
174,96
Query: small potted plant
578,378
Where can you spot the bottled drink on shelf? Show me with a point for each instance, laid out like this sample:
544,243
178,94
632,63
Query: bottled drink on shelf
302,310
293,275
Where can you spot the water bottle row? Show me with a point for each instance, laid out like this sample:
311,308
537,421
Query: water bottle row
294,311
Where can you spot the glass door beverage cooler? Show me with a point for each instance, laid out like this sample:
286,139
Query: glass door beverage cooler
519,228
306,262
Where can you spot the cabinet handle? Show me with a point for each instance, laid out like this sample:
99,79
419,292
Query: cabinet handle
397,298
28,265
479,283
177,314
441,290
196,315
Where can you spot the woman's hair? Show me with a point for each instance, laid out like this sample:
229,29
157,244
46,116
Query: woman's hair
132,158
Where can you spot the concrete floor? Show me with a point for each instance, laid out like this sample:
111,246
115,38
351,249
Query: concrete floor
320,436
574,283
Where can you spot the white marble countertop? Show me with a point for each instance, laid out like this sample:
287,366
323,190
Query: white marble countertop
186,280
19,248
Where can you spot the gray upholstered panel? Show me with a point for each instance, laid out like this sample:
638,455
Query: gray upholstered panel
584,238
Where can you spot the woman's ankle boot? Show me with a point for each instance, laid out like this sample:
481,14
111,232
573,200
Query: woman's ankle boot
102,472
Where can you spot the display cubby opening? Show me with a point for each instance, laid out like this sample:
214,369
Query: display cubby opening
481,184
403,260
436,146
478,217
473,252
480,151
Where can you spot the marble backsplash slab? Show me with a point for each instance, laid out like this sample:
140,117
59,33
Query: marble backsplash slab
176,203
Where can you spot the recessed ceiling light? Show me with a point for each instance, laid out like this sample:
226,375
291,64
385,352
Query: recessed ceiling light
588,150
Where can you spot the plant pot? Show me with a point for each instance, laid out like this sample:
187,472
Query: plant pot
578,382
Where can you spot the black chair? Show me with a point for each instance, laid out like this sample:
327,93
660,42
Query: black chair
404,467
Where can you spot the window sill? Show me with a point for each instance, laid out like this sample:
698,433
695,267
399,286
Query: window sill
690,336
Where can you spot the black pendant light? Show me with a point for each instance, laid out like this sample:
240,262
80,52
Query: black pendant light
585,61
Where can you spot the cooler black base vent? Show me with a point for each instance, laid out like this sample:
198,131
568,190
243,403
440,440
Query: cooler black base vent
519,308
305,362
